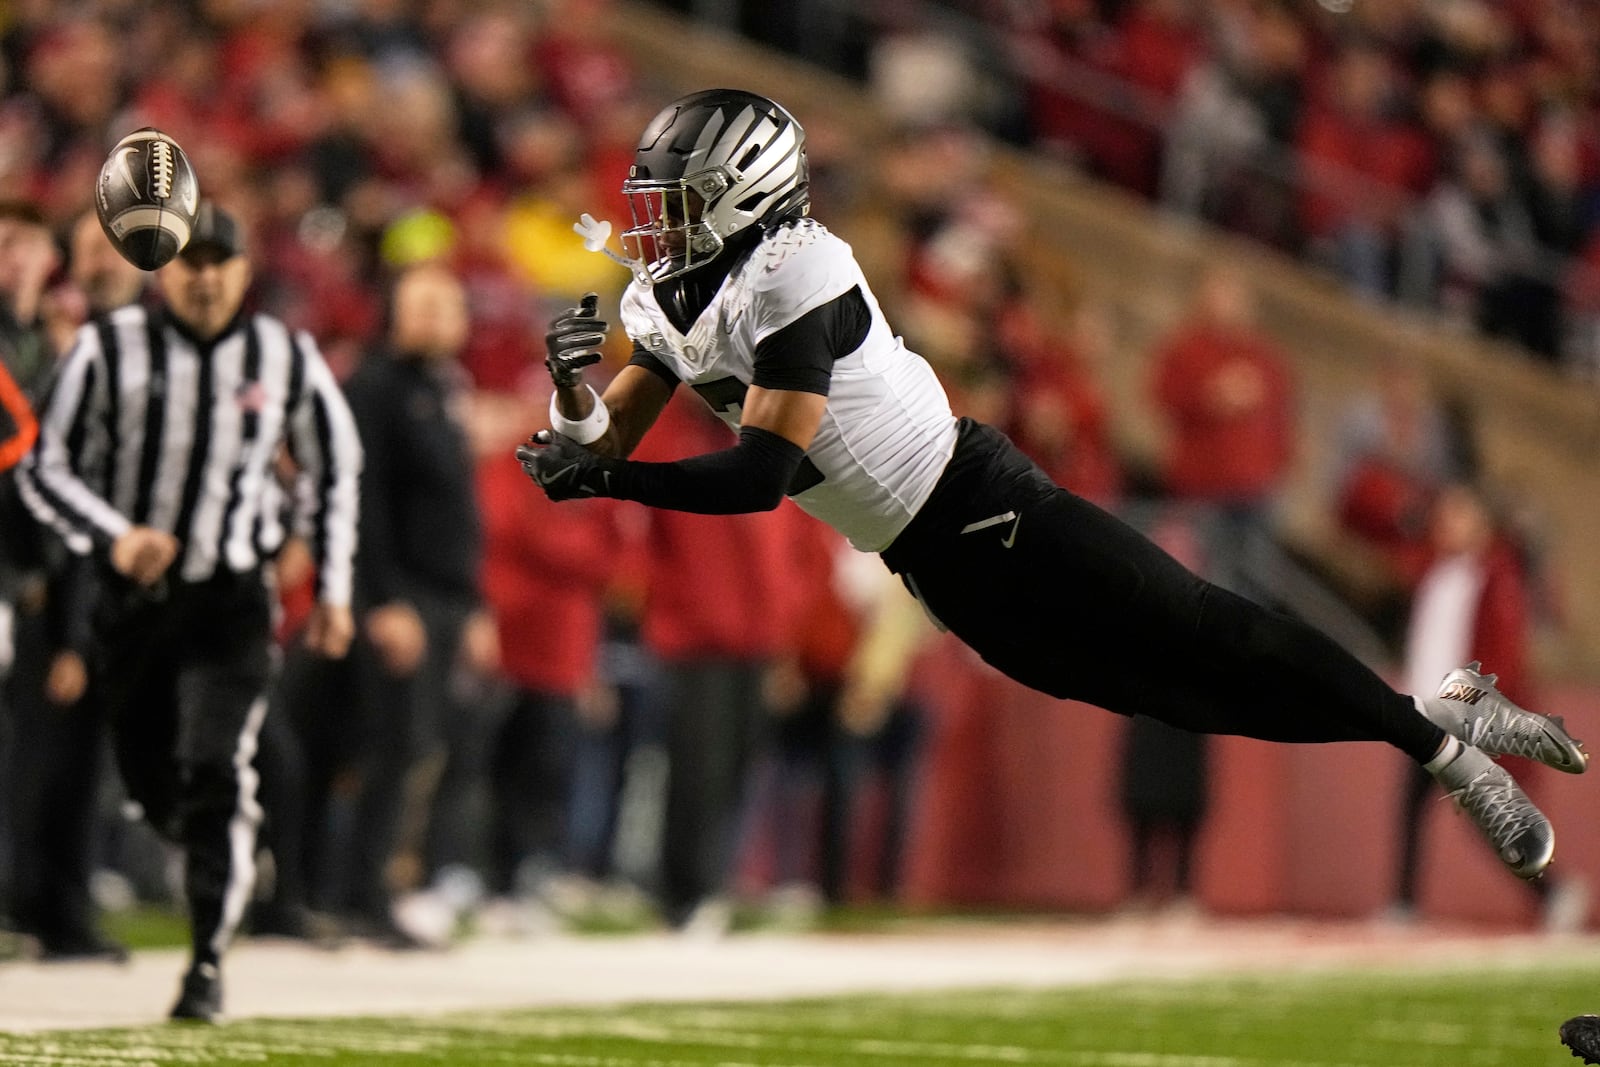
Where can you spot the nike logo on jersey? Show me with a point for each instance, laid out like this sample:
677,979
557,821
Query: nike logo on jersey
995,520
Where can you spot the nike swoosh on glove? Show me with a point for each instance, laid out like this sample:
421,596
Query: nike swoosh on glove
564,469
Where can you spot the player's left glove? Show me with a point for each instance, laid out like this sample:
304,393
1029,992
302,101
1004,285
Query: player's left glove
574,342
564,469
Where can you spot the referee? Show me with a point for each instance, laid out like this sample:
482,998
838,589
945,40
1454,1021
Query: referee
156,456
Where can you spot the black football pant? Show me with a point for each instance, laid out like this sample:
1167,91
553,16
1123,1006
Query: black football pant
715,712
530,764
1070,600
402,725
185,676
354,719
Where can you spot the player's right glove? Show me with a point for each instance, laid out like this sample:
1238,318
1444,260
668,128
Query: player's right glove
563,468
574,342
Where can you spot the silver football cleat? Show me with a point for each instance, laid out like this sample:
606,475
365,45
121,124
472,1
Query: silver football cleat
1469,706
1483,789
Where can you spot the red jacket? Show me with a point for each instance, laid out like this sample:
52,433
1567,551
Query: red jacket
1215,455
827,630
1500,639
1362,170
1501,626
545,571
717,585
1062,423
1388,508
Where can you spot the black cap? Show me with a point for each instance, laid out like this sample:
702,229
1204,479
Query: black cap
215,229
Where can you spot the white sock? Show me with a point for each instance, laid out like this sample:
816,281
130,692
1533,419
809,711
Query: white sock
1446,755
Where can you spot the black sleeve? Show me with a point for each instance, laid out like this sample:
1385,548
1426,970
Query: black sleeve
750,476
643,357
801,355
373,400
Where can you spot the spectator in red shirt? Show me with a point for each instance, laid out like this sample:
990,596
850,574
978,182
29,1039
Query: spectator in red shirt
1396,444
853,720
720,608
1224,388
795,805
1473,603
1060,416
505,327
1160,45
545,579
486,57
1100,94
1362,166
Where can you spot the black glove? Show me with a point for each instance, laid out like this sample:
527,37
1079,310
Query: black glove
574,342
564,469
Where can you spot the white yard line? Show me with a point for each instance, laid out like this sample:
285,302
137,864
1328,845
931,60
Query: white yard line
280,979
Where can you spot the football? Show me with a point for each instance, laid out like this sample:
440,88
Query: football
146,197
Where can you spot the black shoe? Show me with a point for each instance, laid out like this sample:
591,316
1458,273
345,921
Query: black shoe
297,923
1581,1034
81,945
200,1000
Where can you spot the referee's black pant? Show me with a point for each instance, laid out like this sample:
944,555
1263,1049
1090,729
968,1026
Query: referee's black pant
1070,600
185,672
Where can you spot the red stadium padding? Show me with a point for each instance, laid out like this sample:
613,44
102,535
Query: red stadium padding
1019,809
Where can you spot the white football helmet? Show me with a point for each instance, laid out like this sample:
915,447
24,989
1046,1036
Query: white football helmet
709,165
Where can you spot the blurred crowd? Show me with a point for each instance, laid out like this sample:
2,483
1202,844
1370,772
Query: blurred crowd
1441,154
653,710
538,716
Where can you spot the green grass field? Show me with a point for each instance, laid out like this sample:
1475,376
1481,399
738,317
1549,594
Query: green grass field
1384,1020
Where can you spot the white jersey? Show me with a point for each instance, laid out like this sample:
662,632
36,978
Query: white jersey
888,429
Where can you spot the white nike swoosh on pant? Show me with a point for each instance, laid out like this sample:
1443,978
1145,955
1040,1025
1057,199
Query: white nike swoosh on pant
995,520
1011,538
992,520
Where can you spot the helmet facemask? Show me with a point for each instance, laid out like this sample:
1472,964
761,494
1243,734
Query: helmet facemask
670,233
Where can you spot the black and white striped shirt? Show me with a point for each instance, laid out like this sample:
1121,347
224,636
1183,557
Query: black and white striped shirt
148,426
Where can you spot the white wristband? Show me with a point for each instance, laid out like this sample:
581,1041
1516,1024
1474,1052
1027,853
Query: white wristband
587,430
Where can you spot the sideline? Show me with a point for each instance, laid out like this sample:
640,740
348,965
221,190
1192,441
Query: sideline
266,978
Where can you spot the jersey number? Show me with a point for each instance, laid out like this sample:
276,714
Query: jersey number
726,397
